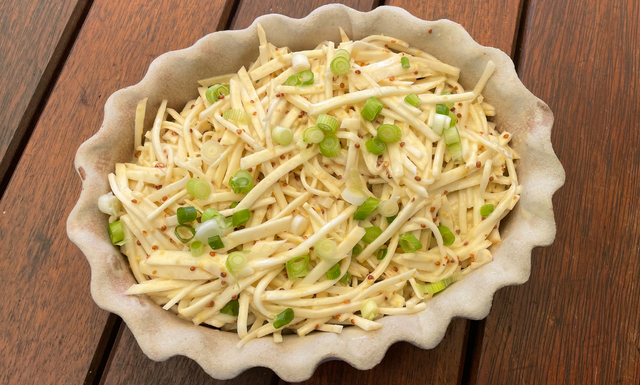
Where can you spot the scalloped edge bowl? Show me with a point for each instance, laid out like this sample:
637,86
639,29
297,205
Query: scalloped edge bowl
173,76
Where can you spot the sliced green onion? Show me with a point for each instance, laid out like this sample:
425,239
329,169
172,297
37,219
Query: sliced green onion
455,150
449,105
454,119
432,288
116,233
177,233
486,210
328,123
198,189
342,53
369,310
340,65
346,279
215,242
232,308
240,217
283,318
187,214
389,133
447,236
440,122
326,248
237,115
371,108
330,146
313,135
213,93
292,81
233,204
357,249
388,208
409,243
241,182
405,62
197,248
375,146
305,77
442,109
390,219
236,262
209,214
366,209
282,135
451,135
371,233
211,151
297,267
334,272
382,253
413,99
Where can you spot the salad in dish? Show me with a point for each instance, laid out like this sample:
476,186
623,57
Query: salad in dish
314,190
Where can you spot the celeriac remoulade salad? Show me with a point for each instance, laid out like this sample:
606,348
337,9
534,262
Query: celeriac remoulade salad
313,190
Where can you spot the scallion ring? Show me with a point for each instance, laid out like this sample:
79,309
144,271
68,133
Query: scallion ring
442,109
116,233
313,135
197,248
375,146
486,210
330,146
282,135
334,272
382,253
292,81
357,249
187,227
283,318
413,99
241,182
241,217
371,233
405,62
447,236
409,243
236,262
325,248
340,65
215,242
369,310
305,78
213,93
389,133
328,123
366,209
297,267
433,288
186,214
371,108
198,189
237,115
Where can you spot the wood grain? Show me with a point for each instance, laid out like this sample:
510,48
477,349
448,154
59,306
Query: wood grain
492,23
577,320
50,324
35,37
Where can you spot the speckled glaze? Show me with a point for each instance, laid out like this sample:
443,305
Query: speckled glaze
173,76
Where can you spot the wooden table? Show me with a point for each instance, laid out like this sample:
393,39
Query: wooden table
577,320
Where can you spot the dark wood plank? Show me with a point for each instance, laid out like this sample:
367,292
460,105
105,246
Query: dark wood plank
577,320
35,38
50,324
404,364
248,10
492,23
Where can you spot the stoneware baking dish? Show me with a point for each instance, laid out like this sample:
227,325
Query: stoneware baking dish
173,76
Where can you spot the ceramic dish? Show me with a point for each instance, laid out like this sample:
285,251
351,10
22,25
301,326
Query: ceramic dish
173,76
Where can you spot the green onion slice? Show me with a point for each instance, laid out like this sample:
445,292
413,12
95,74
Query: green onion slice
116,233
405,62
189,228
413,99
241,182
390,219
197,248
371,108
215,242
366,209
369,310
455,150
357,249
447,236
409,243
334,272
454,119
375,146
236,262
328,123
187,214
340,65
326,248
213,93
432,288
451,135
211,151
382,253
233,204
209,214
283,318
292,81
232,308
198,189
240,217
297,267
330,146
305,77
371,233
389,133
313,135
442,109
346,279
342,53
237,115
486,210
282,135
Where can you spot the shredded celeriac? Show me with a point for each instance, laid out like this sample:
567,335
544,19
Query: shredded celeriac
301,197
